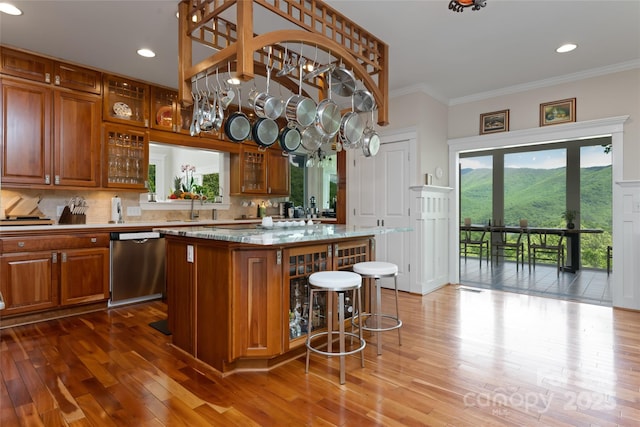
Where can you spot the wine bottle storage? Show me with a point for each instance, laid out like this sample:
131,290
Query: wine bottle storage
301,310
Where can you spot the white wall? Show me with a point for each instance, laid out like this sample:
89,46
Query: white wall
611,95
428,117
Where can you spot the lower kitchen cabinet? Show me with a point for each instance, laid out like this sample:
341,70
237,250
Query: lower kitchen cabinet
44,273
84,276
29,282
258,297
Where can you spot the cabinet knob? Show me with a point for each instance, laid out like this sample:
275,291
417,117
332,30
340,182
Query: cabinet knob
47,78
94,240
21,244
57,81
56,180
54,257
47,179
64,257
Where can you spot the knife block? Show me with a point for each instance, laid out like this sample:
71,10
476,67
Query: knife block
69,218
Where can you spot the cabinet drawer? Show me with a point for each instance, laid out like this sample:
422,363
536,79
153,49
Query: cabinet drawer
35,243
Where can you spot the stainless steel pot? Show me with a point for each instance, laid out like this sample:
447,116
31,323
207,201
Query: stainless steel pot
328,114
311,139
351,128
266,105
238,128
300,109
343,81
265,132
370,140
363,100
290,138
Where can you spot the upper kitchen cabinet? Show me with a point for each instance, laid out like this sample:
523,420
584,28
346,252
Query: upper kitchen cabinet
125,101
259,171
167,113
36,68
126,157
49,136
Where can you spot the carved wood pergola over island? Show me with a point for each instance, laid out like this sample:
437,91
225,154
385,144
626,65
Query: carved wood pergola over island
239,48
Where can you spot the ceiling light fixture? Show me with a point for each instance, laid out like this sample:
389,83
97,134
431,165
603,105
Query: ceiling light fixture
460,5
10,9
567,47
147,53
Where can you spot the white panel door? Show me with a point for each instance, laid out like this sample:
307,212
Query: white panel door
378,194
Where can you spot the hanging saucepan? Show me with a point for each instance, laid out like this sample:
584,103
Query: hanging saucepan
290,138
311,139
363,100
300,109
351,128
343,81
238,128
370,140
328,114
265,132
266,105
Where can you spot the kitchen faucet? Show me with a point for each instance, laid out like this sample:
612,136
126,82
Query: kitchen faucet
194,214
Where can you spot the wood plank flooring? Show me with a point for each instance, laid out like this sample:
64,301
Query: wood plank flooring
469,358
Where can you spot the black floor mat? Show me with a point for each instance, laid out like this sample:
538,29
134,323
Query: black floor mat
162,326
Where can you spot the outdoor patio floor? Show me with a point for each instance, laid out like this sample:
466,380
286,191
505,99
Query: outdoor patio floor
586,285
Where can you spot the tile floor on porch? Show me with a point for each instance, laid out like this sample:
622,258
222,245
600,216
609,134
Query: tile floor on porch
590,286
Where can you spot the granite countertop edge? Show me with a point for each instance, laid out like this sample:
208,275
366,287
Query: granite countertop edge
277,236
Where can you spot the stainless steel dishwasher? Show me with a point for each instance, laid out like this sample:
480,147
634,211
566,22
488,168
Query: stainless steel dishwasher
137,267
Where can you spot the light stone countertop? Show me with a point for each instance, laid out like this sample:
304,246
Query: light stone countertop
257,235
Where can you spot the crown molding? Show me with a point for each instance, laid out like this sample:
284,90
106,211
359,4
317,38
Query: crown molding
595,72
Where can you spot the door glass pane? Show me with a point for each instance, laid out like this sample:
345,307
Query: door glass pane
535,187
595,204
476,189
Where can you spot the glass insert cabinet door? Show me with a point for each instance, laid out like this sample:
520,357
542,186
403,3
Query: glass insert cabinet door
304,261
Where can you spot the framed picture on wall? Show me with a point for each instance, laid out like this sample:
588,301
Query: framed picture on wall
556,112
496,121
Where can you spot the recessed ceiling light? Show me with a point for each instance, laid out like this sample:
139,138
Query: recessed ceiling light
10,9
568,47
147,53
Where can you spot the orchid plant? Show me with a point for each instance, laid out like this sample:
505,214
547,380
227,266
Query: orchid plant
187,180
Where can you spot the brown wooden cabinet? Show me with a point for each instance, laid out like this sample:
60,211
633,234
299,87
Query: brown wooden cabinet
125,101
237,306
50,136
84,275
257,308
36,68
300,263
166,112
43,272
260,172
125,158
29,282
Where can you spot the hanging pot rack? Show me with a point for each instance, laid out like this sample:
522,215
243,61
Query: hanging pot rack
237,48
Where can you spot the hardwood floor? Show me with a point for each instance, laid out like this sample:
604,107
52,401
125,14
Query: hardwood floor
469,357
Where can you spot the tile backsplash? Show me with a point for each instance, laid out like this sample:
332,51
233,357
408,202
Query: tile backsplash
99,202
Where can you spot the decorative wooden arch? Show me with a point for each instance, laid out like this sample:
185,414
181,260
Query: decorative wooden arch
200,21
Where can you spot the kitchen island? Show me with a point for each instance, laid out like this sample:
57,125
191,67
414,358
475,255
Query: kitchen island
237,295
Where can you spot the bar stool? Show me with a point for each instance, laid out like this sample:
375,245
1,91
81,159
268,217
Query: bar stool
376,270
338,282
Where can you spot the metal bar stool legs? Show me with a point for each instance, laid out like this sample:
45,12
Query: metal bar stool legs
339,282
377,270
